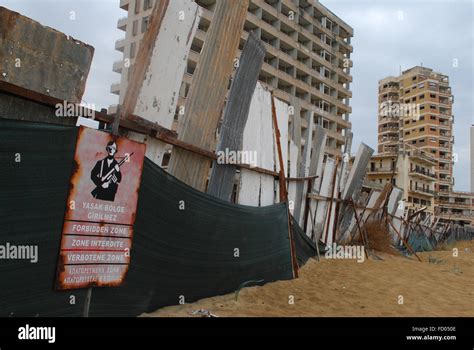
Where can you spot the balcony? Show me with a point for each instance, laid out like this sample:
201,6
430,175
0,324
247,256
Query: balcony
382,170
445,157
112,109
390,98
118,66
124,4
444,170
445,90
455,204
445,181
390,88
115,88
445,111
423,191
389,140
122,23
423,174
422,156
389,128
120,45
456,215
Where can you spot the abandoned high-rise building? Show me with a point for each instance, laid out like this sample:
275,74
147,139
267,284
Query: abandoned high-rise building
307,62
416,110
415,144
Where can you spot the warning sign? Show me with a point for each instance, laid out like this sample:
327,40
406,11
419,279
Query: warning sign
101,207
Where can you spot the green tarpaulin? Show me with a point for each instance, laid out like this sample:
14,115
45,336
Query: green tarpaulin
209,248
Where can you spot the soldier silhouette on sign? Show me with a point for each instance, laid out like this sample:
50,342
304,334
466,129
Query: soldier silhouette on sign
106,175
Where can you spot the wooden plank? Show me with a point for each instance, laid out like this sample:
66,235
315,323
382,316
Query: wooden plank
345,161
363,213
258,189
280,117
144,56
208,90
221,182
154,89
316,167
318,157
295,104
331,217
326,190
354,184
302,187
293,186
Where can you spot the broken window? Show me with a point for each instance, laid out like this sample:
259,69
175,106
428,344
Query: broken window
137,7
147,4
145,22
135,27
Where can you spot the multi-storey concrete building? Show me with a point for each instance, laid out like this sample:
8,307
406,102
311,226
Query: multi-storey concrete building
416,110
307,60
457,207
412,171
415,132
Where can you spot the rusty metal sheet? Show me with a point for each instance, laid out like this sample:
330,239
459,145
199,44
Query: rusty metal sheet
41,58
221,181
100,210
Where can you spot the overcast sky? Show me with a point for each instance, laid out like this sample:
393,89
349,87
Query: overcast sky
388,35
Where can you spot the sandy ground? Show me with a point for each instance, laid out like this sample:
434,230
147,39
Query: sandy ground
442,287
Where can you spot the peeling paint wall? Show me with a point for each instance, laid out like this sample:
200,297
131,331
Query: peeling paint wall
258,189
158,96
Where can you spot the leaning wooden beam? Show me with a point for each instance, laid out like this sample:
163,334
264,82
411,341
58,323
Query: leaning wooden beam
381,200
221,182
293,171
354,184
404,241
361,232
157,73
208,90
282,163
282,115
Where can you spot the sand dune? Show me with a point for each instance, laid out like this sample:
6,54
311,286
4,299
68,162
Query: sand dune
442,287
